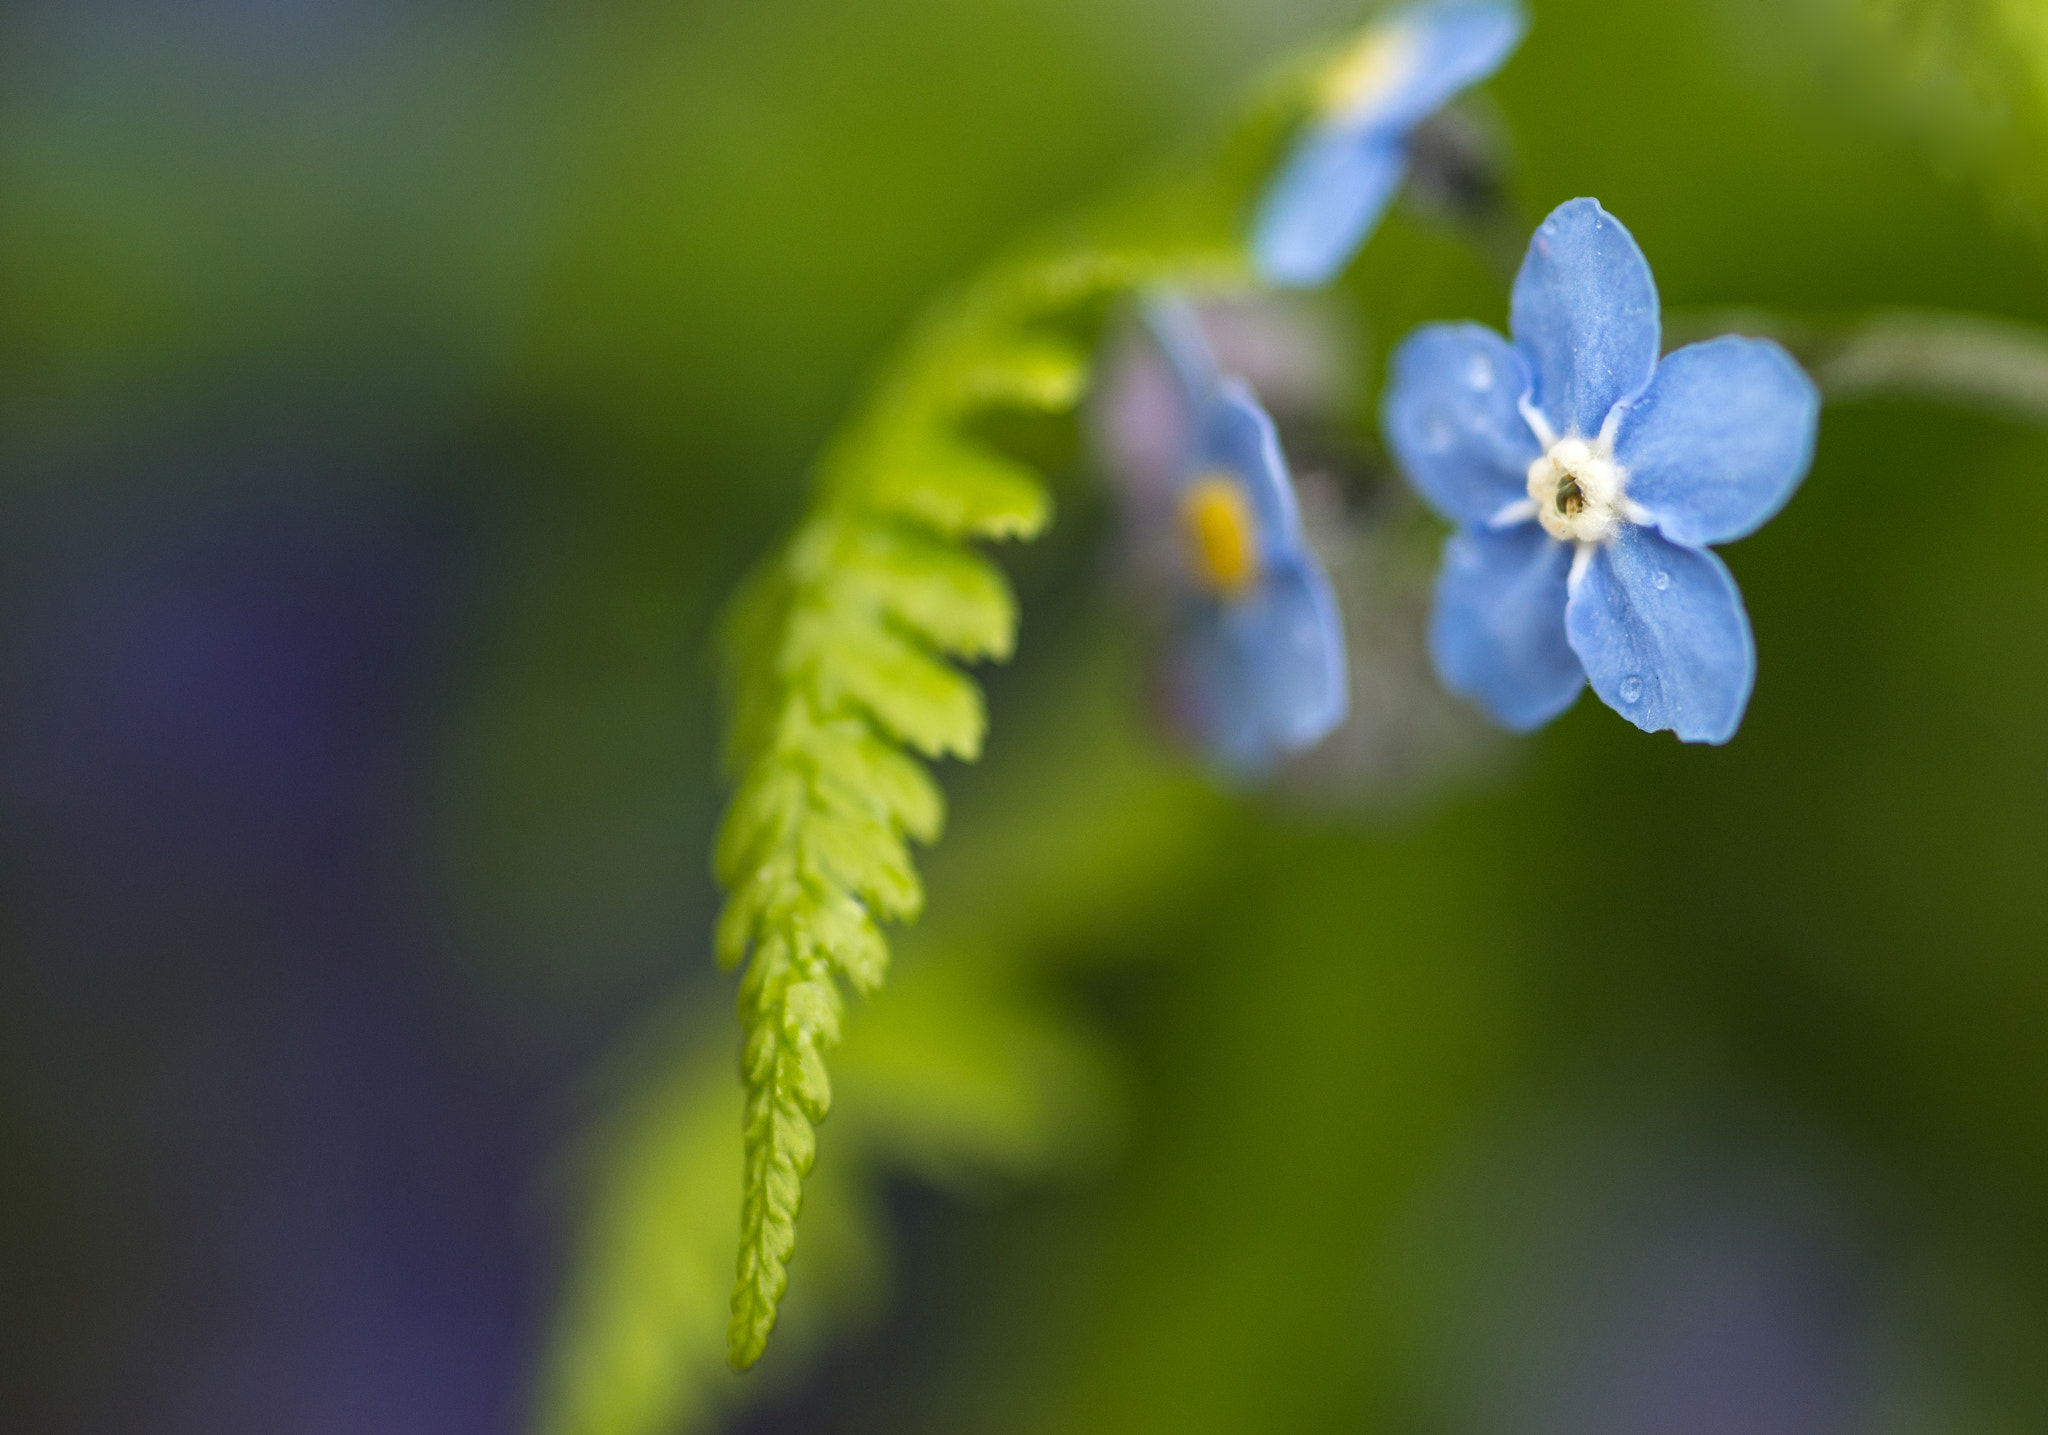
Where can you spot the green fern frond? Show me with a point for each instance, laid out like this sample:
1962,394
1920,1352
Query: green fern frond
639,1340
970,1072
846,650
875,600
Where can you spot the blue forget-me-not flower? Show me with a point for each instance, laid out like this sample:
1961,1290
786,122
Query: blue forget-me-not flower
1258,666
1345,170
1587,479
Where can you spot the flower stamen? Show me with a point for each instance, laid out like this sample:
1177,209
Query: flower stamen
1577,490
1221,535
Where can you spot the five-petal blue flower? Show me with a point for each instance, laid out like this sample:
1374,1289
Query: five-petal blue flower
1259,667
1586,479
1343,173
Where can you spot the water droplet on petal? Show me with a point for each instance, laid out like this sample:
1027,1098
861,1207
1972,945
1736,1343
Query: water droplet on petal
1631,688
1479,373
1661,579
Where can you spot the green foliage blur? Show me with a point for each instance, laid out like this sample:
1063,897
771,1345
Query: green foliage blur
1186,1109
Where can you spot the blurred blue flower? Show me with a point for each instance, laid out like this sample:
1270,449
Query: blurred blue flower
1259,668
1587,479
1345,170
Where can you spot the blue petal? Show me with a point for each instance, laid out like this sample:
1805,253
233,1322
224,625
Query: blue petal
1457,46
1293,644
1585,316
1343,173
1720,439
1213,695
1661,630
1315,216
1452,418
1497,631
1177,330
1238,437
1265,675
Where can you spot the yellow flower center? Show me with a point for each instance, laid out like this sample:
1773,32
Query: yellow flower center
1221,534
1367,71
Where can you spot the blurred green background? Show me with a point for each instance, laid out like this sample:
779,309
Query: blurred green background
392,393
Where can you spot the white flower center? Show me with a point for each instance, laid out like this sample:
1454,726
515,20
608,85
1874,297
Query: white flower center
1579,490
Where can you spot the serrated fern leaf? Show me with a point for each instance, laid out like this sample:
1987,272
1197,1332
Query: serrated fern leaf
846,652
851,681
639,1342
970,1074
